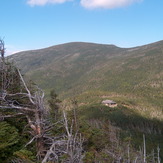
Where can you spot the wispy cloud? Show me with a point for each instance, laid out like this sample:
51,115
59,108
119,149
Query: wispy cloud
10,49
92,4
44,2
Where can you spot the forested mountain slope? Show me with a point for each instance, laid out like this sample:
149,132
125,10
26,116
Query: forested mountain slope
66,66
132,77
74,68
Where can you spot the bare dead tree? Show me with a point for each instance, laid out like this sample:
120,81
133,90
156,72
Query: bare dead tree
68,148
144,149
30,104
23,102
33,109
158,155
2,49
125,153
2,63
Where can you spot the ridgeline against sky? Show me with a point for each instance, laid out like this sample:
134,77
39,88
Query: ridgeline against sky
34,24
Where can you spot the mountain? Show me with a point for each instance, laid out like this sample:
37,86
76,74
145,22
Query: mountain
90,73
63,66
76,68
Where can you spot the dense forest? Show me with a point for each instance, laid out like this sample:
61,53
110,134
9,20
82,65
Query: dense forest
34,129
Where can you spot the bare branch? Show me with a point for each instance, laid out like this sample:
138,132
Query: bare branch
29,93
17,108
11,116
2,48
35,137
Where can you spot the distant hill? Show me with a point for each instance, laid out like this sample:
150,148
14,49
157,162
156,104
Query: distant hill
74,68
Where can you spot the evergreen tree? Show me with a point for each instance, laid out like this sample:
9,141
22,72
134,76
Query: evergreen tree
54,105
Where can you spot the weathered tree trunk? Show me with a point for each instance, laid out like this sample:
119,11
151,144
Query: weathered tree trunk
40,147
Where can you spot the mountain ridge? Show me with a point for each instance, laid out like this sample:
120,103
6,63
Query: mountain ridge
74,68
78,42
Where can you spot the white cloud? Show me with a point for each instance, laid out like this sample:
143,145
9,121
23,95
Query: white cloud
91,4
10,49
44,2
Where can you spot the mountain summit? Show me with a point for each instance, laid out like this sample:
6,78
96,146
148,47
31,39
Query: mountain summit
76,67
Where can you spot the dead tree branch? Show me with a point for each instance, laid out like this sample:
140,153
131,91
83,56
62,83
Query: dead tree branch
21,101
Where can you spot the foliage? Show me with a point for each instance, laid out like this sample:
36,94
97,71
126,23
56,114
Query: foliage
54,105
105,126
74,68
8,135
9,139
131,77
25,155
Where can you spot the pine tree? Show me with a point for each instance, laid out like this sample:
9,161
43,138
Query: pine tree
54,105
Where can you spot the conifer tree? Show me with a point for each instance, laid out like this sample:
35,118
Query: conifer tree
54,104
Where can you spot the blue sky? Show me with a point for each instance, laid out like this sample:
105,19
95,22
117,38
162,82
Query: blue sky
35,24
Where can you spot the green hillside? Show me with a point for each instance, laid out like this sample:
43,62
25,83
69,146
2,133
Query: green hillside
61,67
90,73
100,71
